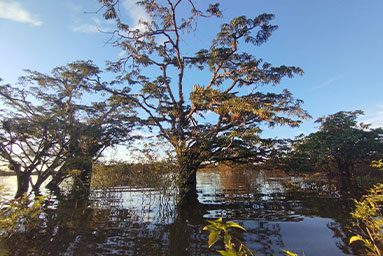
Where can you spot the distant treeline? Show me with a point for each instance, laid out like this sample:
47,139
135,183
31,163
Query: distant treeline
11,173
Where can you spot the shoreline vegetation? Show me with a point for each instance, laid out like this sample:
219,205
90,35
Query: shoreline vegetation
11,173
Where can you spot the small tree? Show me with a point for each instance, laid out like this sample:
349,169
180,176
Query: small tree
152,75
47,128
339,145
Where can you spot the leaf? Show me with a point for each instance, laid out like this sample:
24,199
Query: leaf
227,241
213,238
288,253
227,253
232,224
356,238
209,228
217,221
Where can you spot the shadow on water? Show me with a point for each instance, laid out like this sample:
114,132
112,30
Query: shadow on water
125,220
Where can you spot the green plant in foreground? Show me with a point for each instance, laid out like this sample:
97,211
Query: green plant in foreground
220,230
368,217
19,214
377,164
369,220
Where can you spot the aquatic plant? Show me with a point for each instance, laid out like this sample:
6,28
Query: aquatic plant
20,214
368,218
220,230
368,221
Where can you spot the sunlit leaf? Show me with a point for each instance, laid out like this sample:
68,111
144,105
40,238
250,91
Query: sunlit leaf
356,238
233,224
227,253
289,253
213,238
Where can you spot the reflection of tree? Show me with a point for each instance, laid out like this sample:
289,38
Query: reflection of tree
264,237
81,227
342,236
133,221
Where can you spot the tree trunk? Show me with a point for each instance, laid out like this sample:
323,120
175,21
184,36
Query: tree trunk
54,184
188,182
22,183
82,182
348,185
37,185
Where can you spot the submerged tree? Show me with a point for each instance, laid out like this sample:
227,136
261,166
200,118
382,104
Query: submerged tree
48,128
152,75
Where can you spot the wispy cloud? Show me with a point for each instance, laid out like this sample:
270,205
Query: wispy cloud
94,27
374,116
324,84
12,10
86,28
136,13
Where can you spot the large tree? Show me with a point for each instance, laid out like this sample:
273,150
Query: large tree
48,127
219,119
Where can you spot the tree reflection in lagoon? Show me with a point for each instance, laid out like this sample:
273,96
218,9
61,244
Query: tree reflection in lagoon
143,221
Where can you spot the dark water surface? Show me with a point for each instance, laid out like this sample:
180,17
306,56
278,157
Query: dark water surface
143,221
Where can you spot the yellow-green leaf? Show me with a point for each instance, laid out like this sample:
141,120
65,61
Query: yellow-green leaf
227,253
288,253
356,238
232,224
213,238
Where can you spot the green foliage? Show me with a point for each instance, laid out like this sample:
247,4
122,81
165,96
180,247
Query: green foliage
377,164
340,145
152,75
219,230
288,253
19,215
368,221
47,127
223,231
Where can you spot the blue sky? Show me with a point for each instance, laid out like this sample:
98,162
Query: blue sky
339,45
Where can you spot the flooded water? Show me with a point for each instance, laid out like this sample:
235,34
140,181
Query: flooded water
144,221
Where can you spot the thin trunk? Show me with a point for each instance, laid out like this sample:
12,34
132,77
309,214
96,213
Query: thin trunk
40,180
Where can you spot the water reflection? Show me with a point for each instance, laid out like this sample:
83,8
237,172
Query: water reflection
144,221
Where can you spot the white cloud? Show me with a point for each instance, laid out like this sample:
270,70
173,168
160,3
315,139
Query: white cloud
12,10
373,116
86,28
136,14
96,26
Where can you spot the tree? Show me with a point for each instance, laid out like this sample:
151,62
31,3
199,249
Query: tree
47,127
339,145
152,75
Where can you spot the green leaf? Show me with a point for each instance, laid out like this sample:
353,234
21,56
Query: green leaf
213,238
288,253
210,228
217,221
227,241
356,238
232,224
227,253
